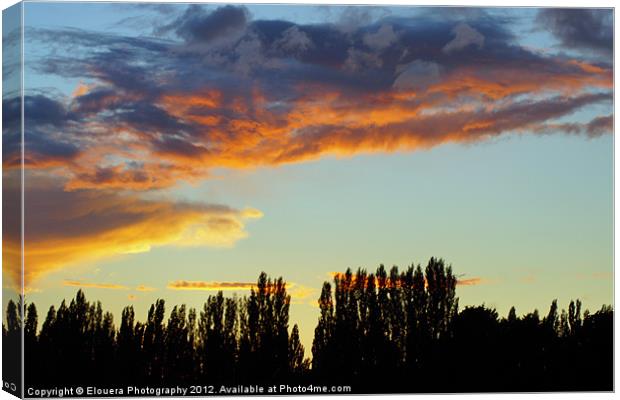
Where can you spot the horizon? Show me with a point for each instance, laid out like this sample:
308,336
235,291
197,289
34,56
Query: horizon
234,292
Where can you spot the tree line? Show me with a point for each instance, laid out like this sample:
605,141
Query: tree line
387,331
404,332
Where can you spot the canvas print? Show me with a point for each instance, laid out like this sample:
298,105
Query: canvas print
294,199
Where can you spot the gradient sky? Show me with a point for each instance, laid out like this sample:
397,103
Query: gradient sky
173,143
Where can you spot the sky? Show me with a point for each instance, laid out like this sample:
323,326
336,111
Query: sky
174,149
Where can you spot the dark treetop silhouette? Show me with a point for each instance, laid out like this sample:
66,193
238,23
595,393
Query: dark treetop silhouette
383,332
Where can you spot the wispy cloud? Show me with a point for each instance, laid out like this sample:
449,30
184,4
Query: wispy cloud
143,288
210,285
528,279
597,275
300,294
81,284
603,275
470,281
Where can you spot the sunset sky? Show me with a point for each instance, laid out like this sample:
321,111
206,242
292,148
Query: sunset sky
175,149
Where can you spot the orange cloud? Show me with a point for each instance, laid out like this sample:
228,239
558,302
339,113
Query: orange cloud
81,284
80,90
151,130
150,176
459,282
500,83
194,132
470,281
68,228
330,126
142,288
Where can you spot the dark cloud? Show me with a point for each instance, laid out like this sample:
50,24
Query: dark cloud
42,150
95,100
464,36
38,109
45,119
41,110
234,92
180,147
354,17
11,113
149,118
600,126
80,41
580,28
368,57
596,127
200,25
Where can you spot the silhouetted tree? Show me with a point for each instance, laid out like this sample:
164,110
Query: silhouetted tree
475,338
12,343
128,347
179,347
217,328
402,328
31,345
297,364
323,352
267,329
153,342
